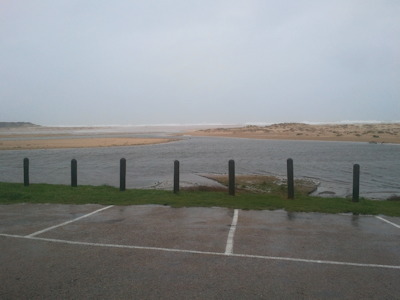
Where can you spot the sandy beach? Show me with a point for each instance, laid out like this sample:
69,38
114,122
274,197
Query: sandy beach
375,133
14,136
78,143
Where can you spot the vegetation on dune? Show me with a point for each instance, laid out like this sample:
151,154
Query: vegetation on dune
12,193
300,131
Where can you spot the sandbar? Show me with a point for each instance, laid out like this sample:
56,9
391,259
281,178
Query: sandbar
373,133
79,143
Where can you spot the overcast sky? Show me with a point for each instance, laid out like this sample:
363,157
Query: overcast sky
94,62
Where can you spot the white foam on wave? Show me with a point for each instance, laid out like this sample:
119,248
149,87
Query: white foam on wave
146,125
234,124
326,123
351,122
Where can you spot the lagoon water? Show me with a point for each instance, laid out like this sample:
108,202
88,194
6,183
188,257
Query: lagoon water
149,166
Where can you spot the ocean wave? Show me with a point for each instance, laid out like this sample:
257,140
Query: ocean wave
326,123
351,122
232,124
145,125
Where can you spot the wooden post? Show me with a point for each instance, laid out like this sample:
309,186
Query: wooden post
290,178
231,177
176,176
122,174
26,171
74,173
356,182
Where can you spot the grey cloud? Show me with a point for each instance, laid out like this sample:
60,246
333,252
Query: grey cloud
143,62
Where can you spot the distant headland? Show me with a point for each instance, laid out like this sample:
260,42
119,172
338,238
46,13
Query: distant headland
17,124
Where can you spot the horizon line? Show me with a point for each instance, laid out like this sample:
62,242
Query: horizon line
233,124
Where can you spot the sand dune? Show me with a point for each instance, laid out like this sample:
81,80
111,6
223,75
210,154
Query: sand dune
379,133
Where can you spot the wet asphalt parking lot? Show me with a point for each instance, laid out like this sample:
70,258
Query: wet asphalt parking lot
51,251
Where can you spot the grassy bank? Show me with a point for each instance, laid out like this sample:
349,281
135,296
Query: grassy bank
11,193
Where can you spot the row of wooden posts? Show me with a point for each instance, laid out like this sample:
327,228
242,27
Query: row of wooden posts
231,168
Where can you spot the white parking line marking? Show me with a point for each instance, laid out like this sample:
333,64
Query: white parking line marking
229,242
207,253
65,223
380,218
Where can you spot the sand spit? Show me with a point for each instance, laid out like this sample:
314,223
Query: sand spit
79,143
116,129
375,133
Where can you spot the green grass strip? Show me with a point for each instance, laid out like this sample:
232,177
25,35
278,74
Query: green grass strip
11,193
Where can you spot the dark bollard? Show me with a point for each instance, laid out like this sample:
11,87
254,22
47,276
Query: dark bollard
122,174
232,177
176,176
26,172
290,179
74,173
356,182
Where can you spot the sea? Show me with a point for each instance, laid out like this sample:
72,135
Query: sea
330,164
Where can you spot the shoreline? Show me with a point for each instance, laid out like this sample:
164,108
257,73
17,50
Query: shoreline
283,138
79,143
